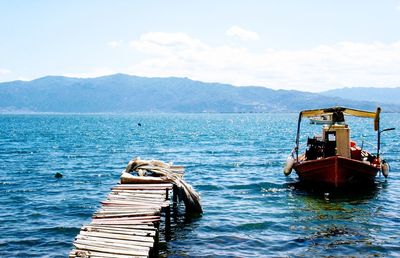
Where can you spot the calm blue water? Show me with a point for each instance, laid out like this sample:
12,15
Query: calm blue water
234,161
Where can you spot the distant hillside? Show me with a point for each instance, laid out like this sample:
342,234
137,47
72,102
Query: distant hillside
124,93
381,95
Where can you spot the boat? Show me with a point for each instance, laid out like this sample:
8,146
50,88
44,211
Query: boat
323,119
333,158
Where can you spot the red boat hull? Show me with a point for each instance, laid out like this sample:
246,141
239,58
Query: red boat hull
336,171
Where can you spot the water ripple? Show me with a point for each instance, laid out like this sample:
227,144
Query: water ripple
233,160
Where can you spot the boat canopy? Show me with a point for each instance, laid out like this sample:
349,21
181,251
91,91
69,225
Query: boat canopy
345,111
337,116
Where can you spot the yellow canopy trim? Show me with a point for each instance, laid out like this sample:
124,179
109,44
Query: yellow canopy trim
346,111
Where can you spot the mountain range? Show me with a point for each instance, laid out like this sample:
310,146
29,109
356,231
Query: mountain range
122,93
380,95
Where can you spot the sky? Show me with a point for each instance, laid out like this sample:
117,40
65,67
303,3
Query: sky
308,45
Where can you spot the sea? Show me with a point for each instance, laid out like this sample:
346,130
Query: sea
235,162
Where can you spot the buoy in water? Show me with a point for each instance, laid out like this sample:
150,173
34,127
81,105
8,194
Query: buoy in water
58,175
288,166
385,168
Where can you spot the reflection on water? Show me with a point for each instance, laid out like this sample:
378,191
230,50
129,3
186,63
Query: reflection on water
338,220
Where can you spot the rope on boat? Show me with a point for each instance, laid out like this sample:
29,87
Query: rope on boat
166,172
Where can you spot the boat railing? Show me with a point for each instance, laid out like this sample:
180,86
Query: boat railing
368,143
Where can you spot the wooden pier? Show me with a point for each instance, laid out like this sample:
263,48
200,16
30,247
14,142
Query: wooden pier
128,222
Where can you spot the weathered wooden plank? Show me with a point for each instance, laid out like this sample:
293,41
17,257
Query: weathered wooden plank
132,207
117,196
145,218
148,202
130,211
142,195
122,231
143,228
149,191
108,250
94,254
137,247
112,237
126,222
137,197
127,209
129,195
149,185
138,226
123,215
127,213
135,233
129,245
129,179
142,187
138,201
142,250
133,203
99,241
115,204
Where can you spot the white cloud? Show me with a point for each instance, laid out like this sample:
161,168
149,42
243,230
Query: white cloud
96,72
4,71
162,43
115,43
236,31
315,69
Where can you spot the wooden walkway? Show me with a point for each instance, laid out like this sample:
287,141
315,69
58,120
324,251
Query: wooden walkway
127,223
